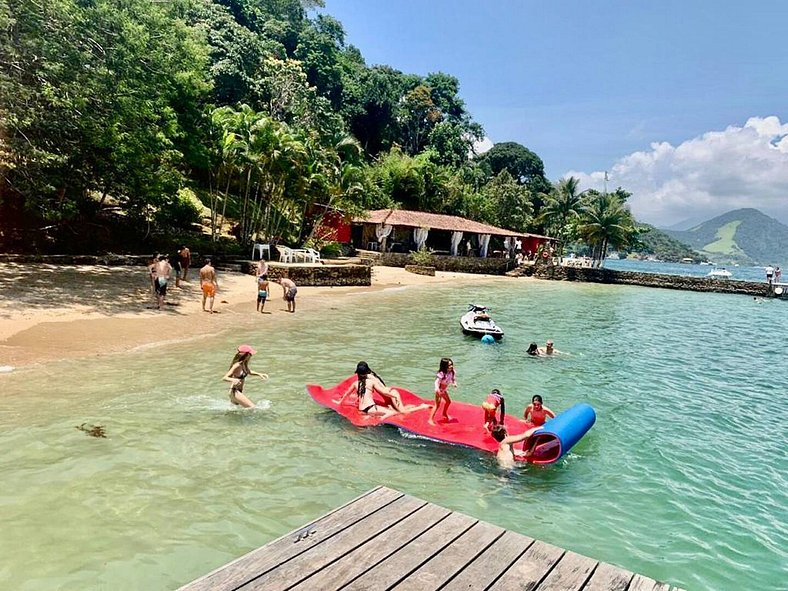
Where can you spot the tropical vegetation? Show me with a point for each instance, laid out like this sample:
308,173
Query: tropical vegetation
129,121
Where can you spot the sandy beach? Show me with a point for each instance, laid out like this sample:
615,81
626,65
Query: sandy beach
50,312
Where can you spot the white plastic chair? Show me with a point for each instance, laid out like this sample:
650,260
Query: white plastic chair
286,255
311,255
261,248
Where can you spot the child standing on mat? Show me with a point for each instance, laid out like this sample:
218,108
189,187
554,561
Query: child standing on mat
443,379
493,402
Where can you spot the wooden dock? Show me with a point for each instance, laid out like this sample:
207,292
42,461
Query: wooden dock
385,539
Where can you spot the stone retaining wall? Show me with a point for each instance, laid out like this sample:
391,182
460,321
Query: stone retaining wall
318,275
486,266
651,280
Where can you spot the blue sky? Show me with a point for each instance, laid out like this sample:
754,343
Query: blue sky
641,89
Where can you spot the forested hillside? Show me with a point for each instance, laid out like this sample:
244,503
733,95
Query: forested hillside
744,236
124,122
656,242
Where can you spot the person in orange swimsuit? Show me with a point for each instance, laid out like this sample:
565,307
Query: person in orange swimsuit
208,285
491,404
536,412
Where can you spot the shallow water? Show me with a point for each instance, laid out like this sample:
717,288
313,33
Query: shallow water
683,477
738,273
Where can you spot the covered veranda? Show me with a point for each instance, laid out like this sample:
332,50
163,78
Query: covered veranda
399,230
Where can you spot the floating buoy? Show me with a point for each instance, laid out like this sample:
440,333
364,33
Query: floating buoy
778,290
488,339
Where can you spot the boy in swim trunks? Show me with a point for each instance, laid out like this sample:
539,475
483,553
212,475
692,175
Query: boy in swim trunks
162,270
262,292
505,454
208,285
289,290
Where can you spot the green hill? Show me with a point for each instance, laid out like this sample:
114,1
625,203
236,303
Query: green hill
744,236
654,241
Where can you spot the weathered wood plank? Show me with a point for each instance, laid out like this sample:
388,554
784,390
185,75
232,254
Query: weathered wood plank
488,566
406,560
259,561
641,583
570,574
451,559
321,555
371,556
530,569
607,577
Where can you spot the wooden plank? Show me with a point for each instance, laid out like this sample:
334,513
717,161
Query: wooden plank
530,569
401,564
607,577
441,567
641,583
251,565
324,553
371,556
489,565
570,574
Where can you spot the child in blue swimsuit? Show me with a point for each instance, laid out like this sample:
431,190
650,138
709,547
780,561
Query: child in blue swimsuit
262,292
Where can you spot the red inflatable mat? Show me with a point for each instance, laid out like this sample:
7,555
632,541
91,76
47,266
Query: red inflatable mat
466,426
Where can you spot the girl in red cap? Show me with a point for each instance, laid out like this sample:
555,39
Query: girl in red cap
239,370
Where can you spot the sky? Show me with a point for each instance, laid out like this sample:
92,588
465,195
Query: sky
683,103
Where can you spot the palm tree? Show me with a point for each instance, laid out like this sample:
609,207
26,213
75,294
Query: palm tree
606,222
562,206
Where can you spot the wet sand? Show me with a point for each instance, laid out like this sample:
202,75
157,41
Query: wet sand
52,312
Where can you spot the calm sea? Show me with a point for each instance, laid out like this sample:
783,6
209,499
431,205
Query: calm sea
737,273
684,477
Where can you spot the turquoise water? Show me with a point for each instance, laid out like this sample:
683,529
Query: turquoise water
683,478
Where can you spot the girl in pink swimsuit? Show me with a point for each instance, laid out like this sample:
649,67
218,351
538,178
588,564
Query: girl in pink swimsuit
443,379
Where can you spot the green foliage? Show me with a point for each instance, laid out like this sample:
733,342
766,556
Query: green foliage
421,257
181,212
331,250
652,241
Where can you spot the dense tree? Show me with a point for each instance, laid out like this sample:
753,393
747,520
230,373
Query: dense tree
511,202
606,222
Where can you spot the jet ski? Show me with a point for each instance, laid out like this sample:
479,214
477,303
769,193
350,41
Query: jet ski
477,322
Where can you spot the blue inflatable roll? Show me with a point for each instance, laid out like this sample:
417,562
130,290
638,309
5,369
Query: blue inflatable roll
558,436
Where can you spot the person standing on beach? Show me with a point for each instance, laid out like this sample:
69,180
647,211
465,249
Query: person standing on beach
238,372
208,284
177,268
152,275
289,291
162,270
262,292
262,267
186,260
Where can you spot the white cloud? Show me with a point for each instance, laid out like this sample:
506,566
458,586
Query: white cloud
705,176
482,146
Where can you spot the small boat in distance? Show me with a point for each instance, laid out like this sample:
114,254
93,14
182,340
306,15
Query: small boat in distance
719,274
477,322
686,261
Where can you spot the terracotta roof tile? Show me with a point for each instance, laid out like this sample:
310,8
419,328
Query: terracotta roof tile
435,221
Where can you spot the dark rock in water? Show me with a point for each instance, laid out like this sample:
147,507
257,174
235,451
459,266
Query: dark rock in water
93,430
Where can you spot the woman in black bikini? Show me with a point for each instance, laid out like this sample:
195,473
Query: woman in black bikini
239,371
366,385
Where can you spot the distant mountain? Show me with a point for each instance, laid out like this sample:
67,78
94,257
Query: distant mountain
744,236
658,243
684,224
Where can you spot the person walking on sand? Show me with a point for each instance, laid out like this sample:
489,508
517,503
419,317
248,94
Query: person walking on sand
162,270
208,285
443,379
238,372
289,291
186,260
152,275
262,292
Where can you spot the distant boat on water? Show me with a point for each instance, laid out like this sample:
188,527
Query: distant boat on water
719,274
686,261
